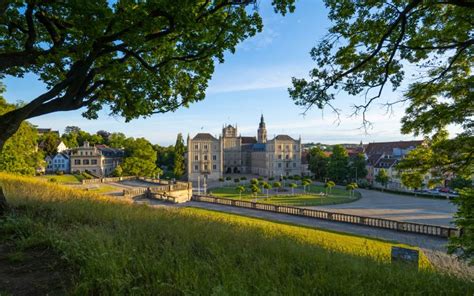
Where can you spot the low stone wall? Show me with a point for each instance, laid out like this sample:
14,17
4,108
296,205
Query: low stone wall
108,179
163,192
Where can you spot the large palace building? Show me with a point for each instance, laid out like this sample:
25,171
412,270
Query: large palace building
212,157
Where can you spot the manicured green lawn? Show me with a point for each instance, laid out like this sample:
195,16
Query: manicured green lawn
103,188
337,196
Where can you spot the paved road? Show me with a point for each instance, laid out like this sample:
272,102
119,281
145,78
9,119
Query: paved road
398,207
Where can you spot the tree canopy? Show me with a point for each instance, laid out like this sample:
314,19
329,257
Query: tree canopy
20,154
338,167
138,58
318,163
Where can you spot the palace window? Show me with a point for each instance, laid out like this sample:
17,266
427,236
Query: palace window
205,157
196,168
196,147
294,164
205,146
77,161
214,157
279,156
94,161
279,165
214,167
85,161
287,156
196,157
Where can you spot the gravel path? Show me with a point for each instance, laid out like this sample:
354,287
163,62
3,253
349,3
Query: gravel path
398,207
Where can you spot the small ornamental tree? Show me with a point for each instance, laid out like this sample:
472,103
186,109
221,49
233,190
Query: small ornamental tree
260,178
118,171
240,189
329,185
293,186
254,181
236,180
271,179
277,185
221,180
382,177
267,187
255,189
351,187
305,183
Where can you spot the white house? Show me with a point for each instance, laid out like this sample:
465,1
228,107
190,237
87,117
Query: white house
59,162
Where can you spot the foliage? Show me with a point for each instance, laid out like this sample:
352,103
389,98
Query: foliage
305,183
98,238
373,45
351,187
459,182
412,180
117,140
140,158
228,178
464,244
254,181
338,166
318,163
49,143
165,156
277,184
358,167
118,171
137,58
19,154
382,177
293,186
329,185
179,150
255,189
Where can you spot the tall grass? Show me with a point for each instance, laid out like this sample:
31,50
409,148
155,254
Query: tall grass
117,248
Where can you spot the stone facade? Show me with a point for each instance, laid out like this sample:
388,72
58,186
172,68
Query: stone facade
205,157
234,154
99,160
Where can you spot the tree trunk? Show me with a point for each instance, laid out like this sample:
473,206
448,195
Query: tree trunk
3,203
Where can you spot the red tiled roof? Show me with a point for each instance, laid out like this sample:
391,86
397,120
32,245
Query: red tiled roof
387,147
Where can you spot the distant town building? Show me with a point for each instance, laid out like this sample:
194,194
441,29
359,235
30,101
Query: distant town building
386,155
210,157
99,160
42,131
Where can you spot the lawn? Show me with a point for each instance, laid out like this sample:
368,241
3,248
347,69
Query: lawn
298,199
103,188
112,247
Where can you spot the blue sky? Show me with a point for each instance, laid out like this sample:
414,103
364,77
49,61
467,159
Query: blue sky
252,81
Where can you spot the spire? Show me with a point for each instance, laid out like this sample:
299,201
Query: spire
262,131
262,122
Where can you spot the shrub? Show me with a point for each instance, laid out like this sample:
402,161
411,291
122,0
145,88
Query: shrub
53,180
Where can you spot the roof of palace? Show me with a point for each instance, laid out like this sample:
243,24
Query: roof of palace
204,137
284,138
249,140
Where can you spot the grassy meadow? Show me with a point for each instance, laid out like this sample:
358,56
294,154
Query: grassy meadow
116,248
